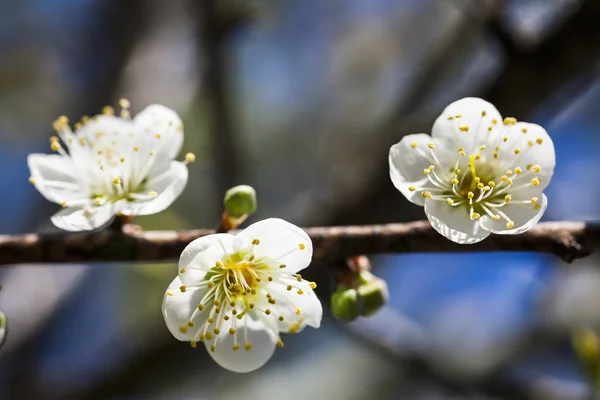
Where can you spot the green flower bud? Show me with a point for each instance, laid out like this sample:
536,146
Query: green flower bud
373,292
240,201
344,304
3,328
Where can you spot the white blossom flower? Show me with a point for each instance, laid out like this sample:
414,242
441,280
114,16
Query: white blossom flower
477,173
238,293
112,166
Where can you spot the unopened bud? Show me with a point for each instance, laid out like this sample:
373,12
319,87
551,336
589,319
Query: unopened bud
3,328
240,201
344,304
373,293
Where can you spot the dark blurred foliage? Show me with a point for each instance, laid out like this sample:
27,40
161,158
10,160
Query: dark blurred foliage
302,99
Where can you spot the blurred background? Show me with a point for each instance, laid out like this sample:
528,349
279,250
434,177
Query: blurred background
302,99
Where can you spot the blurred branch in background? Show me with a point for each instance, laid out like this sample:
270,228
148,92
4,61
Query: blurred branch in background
215,22
568,240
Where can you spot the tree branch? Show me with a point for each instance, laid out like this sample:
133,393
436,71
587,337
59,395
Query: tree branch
567,240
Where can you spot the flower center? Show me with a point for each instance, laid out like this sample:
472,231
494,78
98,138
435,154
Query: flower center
240,283
482,183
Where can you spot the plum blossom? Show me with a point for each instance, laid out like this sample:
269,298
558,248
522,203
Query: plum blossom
237,294
477,173
110,165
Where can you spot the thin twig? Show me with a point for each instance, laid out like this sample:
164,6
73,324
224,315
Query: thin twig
567,240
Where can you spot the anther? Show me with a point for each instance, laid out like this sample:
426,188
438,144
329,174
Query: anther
470,195
124,103
517,150
232,331
208,336
193,344
496,217
431,145
524,130
539,140
464,128
426,195
183,329
518,170
191,324
152,193
483,113
299,277
300,291
268,311
280,343
312,285
412,188
190,158
534,200
280,318
182,288
298,311
414,145
213,347
454,181
289,287
507,198
536,168
510,224
170,293
535,181
210,320
116,181
248,346
216,331
108,110
236,347
200,307
449,201
491,183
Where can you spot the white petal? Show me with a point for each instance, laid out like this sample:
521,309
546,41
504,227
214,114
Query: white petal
280,240
208,258
169,186
407,165
535,149
470,111
263,342
192,274
104,130
160,120
55,177
178,307
524,217
454,222
289,302
78,219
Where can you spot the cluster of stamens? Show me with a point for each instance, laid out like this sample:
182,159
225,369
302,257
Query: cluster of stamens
239,284
484,185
